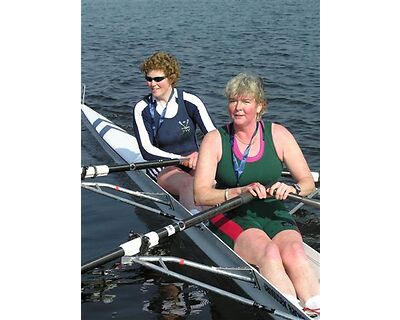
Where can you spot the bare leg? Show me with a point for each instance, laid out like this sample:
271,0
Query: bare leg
257,248
179,183
296,264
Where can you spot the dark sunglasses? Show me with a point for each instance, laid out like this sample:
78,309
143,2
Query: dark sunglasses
156,79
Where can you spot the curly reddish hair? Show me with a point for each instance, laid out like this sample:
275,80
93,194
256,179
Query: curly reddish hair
164,61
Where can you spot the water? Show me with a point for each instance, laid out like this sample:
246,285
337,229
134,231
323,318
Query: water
213,40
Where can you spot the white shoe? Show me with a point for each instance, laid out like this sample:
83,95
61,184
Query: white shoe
312,306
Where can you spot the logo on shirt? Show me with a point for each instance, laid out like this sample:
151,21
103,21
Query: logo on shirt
185,128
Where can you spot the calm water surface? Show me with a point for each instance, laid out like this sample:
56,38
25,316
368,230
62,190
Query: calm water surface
213,40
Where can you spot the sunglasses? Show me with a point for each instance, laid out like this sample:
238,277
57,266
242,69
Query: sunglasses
156,79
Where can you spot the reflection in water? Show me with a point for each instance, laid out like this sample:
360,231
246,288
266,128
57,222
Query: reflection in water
98,285
175,300
169,300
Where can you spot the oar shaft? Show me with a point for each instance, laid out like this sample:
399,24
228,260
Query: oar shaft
311,202
184,224
120,168
103,170
224,207
150,164
115,254
134,246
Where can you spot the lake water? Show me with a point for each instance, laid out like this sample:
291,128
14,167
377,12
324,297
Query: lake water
213,41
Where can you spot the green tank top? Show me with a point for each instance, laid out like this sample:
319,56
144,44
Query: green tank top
265,167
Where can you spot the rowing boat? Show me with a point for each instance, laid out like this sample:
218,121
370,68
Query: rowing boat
123,148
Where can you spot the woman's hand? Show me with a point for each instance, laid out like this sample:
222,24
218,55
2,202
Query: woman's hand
191,161
280,190
255,188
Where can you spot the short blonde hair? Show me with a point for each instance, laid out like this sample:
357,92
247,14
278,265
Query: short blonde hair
246,84
164,61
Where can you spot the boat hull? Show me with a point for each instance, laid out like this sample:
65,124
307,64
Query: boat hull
123,148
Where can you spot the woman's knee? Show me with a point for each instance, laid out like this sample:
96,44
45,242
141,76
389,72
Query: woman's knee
251,244
175,179
271,252
293,251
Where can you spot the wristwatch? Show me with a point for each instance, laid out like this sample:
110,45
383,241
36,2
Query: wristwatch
297,187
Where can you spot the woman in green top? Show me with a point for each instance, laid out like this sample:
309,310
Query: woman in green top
244,156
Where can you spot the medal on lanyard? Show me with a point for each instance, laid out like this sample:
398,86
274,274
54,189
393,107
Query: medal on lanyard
239,168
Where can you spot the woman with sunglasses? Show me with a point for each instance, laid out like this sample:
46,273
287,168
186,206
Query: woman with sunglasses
247,155
165,123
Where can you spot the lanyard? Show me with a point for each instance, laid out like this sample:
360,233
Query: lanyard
239,168
162,116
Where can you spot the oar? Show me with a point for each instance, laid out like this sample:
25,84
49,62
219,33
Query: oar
103,170
311,202
151,239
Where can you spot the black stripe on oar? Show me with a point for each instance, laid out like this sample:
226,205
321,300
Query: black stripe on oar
103,170
138,245
311,202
